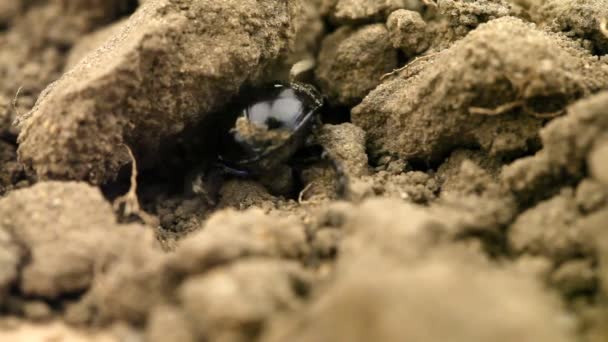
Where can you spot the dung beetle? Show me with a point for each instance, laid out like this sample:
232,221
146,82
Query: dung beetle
272,124
259,133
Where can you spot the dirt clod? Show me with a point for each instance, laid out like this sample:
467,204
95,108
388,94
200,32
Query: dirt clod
157,46
567,142
404,116
234,304
548,229
63,234
353,11
408,32
579,19
231,235
457,169
362,54
367,303
60,254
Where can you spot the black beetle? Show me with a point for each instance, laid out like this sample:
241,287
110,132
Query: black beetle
272,124
260,131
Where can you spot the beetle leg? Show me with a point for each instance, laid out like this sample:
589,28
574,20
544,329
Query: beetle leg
342,188
205,182
227,170
279,180
342,179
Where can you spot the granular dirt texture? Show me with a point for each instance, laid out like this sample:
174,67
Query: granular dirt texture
60,230
110,97
458,168
363,54
233,304
567,143
578,19
548,229
359,11
457,18
366,302
408,115
37,36
229,235
408,32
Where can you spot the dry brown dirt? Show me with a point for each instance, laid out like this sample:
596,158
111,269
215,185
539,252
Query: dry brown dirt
472,137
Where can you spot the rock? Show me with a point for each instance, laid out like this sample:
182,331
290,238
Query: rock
148,84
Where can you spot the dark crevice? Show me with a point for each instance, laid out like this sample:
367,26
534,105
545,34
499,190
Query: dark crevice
129,7
546,104
9,138
335,114
402,58
330,26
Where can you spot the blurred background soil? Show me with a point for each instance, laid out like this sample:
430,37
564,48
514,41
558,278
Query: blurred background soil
473,136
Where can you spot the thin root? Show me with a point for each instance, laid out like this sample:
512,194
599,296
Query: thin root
303,192
408,65
604,27
129,201
16,100
502,109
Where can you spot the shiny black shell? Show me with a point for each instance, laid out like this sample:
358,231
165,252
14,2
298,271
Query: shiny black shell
292,108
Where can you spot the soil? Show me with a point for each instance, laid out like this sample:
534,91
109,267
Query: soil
460,191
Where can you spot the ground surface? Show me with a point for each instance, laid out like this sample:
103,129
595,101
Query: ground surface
473,136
